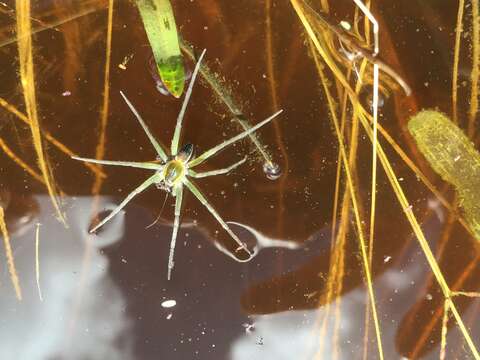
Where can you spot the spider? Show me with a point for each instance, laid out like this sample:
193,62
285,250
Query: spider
173,172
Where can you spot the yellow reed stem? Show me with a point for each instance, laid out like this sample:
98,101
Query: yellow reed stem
471,294
49,137
6,149
100,149
456,58
443,341
9,254
25,52
37,260
363,115
472,115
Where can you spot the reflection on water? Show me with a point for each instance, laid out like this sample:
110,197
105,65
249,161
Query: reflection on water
33,329
104,295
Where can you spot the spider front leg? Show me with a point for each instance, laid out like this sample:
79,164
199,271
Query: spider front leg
152,179
198,160
216,172
178,193
158,148
138,165
198,194
178,127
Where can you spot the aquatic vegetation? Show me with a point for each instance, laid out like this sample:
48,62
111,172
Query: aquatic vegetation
453,156
277,67
25,51
37,261
9,255
226,97
321,42
174,170
159,23
159,84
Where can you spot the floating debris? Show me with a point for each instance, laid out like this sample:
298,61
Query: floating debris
126,59
168,304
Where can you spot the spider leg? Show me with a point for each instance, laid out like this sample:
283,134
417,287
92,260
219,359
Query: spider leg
158,148
178,127
129,197
196,191
216,149
140,165
176,224
216,172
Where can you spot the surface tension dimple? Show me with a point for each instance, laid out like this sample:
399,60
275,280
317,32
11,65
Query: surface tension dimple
272,170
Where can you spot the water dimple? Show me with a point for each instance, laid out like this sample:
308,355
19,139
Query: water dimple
381,100
272,170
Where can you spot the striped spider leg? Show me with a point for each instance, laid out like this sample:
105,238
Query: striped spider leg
174,171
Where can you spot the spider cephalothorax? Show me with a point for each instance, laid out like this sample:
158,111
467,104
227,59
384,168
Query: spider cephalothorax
175,170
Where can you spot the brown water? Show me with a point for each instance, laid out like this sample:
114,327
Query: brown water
103,295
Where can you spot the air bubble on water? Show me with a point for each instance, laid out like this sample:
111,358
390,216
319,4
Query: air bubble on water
381,100
272,170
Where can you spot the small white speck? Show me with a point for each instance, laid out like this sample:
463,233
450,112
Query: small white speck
249,328
386,259
429,297
456,158
169,316
67,93
169,304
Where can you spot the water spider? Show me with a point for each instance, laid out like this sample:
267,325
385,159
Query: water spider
174,171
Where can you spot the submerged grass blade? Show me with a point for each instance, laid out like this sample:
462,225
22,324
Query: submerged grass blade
350,183
364,118
37,260
274,98
226,97
211,152
93,7
404,203
474,77
49,137
456,59
6,149
100,149
25,52
9,254
443,341
453,157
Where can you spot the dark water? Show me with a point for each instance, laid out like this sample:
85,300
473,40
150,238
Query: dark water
103,294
